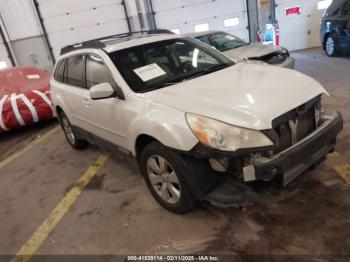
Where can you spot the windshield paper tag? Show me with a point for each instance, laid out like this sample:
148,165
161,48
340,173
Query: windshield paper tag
149,72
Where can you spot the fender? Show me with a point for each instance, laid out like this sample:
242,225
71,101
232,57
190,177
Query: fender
156,122
57,101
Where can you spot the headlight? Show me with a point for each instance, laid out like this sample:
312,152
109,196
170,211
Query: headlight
223,136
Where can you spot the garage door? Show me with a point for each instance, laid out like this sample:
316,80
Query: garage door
4,55
299,23
199,15
72,21
4,58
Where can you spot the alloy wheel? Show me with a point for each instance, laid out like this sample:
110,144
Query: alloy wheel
164,179
67,128
330,46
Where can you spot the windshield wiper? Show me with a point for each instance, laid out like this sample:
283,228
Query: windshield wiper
192,75
216,68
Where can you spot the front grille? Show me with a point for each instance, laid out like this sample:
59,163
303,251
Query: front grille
295,125
277,59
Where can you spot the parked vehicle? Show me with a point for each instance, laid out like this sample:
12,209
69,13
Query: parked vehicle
237,49
189,114
24,97
335,28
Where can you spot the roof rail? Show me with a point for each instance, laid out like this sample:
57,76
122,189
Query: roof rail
98,43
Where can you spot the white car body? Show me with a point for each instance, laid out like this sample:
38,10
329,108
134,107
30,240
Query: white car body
158,112
244,95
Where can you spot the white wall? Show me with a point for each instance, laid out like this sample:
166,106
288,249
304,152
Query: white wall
20,22
299,31
185,15
71,21
68,22
20,18
4,56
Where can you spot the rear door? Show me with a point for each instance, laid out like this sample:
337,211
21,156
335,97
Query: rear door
73,90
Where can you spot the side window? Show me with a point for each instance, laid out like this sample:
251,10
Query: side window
59,73
74,71
346,9
97,72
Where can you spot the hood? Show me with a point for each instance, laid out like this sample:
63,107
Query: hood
245,95
251,50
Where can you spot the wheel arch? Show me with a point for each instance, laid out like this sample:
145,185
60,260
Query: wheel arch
141,142
325,38
58,110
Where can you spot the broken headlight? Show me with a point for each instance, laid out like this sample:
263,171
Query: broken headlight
225,137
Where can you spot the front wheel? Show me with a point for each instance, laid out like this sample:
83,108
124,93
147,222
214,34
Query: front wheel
330,46
71,136
164,172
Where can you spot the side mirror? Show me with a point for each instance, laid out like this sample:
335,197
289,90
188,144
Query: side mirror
101,91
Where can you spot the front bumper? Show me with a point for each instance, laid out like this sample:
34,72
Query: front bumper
291,163
289,63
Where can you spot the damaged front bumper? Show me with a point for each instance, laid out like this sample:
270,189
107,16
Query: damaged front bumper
291,163
253,165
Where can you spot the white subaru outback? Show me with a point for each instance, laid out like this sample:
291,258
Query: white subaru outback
190,115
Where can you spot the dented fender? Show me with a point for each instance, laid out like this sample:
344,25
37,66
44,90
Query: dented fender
165,124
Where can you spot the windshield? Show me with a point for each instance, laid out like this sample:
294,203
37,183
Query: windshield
224,41
161,64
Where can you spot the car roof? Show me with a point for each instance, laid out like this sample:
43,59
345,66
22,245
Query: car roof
119,44
120,41
194,34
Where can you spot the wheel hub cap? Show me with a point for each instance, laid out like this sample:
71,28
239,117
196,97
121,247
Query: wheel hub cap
164,179
330,46
68,130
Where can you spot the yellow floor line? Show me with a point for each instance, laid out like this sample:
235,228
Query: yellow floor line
20,152
33,244
344,172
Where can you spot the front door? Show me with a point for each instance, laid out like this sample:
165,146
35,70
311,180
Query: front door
104,118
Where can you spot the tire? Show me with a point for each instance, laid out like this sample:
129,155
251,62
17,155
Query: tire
164,171
330,46
70,134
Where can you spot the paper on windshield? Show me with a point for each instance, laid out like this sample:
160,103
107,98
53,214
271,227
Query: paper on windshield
149,72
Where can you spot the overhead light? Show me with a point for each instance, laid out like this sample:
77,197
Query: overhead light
201,28
324,4
231,22
175,31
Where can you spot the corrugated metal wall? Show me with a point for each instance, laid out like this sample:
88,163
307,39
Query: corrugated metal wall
24,32
186,15
68,22
71,21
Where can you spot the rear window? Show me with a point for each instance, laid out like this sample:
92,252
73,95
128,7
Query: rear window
75,71
59,73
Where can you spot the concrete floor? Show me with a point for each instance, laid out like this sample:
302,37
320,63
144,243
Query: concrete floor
116,214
